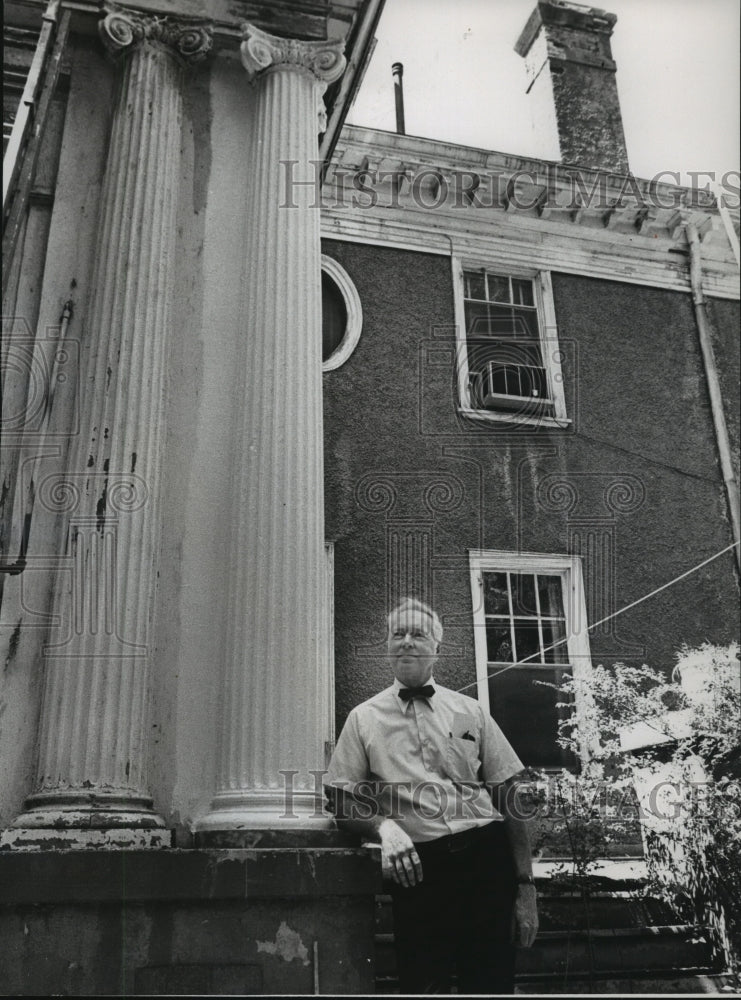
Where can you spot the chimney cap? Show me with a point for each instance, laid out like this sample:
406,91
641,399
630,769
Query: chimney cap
565,14
397,67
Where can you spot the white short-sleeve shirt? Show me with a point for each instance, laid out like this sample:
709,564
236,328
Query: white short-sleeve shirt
425,762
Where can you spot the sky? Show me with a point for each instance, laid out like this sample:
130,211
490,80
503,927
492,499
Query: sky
677,74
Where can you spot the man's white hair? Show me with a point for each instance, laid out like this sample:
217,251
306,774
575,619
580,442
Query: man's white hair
412,604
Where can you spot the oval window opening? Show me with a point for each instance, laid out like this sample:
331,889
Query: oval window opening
334,317
342,315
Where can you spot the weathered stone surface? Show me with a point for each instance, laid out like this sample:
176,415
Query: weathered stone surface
94,727
209,922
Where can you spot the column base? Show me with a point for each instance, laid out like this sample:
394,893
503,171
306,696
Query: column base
75,820
114,838
274,817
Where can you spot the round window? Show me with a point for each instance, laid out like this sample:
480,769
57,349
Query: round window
342,315
334,317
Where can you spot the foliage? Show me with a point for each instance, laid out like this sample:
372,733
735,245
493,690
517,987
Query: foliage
687,776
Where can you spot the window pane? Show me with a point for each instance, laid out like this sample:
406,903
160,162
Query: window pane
527,642
496,601
552,632
525,323
477,318
480,352
523,595
498,288
511,323
514,352
498,643
522,291
475,286
527,714
551,601
503,323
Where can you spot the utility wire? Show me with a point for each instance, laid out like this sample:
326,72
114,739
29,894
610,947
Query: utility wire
607,618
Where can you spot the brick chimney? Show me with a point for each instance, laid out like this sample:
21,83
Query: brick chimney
571,80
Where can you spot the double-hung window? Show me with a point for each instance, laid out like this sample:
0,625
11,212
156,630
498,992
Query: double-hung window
509,361
530,632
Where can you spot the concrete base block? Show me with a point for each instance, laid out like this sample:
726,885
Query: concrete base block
286,921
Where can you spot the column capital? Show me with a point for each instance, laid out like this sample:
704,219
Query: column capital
123,28
261,51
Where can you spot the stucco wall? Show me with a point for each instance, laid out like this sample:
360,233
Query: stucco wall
639,456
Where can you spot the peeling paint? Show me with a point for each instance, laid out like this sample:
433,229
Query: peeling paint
311,861
288,945
13,643
100,510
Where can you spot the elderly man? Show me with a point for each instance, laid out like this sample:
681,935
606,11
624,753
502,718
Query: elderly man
419,768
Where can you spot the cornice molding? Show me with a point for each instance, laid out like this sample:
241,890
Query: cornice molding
123,28
426,194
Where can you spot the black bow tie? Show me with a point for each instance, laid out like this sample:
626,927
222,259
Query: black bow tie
406,694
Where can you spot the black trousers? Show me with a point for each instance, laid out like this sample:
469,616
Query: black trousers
458,920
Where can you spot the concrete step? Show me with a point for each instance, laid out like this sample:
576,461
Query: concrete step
672,983
603,910
613,952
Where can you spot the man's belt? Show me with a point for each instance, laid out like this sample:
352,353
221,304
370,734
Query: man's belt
451,843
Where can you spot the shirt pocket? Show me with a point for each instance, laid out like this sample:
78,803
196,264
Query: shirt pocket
462,759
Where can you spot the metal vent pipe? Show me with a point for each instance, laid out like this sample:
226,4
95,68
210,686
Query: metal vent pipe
397,70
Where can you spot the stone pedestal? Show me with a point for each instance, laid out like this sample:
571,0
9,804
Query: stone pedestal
276,700
291,922
92,768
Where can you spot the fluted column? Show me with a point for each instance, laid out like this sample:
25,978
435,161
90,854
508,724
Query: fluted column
276,694
92,769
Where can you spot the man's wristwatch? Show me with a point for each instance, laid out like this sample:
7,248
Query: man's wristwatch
525,880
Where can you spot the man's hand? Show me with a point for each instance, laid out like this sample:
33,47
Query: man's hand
525,916
399,859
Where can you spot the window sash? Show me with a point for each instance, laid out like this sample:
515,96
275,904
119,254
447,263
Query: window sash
546,409
505,357
549,650
515,678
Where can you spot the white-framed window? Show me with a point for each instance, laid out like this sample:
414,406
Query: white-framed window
530,625
508,356
342,315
